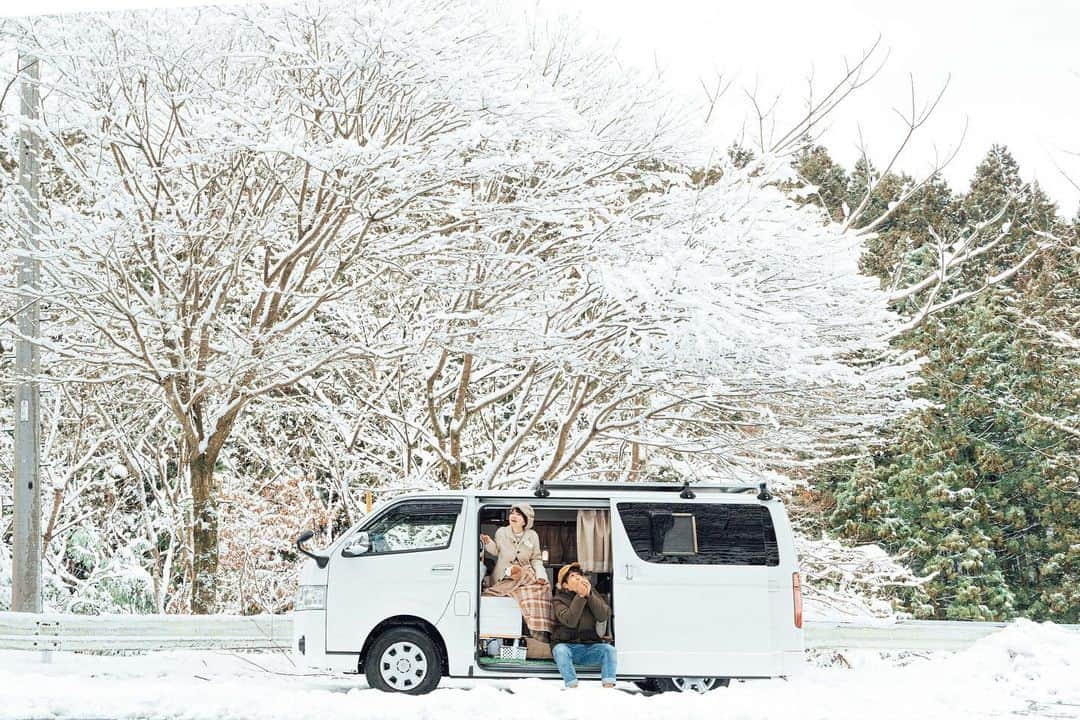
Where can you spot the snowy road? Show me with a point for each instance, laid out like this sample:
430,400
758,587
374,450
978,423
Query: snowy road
1027,670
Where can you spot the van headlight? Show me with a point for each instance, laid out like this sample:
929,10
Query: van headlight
311,597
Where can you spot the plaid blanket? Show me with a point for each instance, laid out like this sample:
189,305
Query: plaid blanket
533,598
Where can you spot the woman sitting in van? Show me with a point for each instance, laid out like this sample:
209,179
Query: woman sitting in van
519,570
516,546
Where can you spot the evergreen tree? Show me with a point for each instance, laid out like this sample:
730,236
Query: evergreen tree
979,490
901,240
903,244
814,165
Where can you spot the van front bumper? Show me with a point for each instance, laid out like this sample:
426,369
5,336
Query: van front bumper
309,638
309,644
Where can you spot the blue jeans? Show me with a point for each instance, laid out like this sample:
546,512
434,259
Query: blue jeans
567,655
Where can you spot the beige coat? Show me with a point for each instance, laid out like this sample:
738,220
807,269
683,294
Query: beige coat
524,552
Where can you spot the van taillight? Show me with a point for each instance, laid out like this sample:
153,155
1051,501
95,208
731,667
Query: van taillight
796,591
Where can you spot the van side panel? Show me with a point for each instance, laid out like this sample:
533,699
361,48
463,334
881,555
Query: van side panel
458,623
786,638
675,619
365,590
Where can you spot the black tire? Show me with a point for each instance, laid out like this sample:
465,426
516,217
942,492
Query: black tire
405,660
689,684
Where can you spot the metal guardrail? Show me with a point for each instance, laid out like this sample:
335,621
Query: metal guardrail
26,631
902,634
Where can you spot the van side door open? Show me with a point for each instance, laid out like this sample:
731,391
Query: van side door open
405,560
691,588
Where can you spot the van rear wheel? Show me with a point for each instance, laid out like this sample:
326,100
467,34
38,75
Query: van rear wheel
690,684
405,660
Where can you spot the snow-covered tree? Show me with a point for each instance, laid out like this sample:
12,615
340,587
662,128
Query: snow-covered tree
422,246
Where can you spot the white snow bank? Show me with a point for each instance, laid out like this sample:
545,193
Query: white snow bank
1027,670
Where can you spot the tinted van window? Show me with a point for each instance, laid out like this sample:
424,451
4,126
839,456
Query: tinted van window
699,534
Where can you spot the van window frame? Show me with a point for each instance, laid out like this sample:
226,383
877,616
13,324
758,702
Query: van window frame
370,521
693,536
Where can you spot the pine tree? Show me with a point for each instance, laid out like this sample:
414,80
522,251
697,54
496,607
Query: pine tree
815,166
979,490
903,245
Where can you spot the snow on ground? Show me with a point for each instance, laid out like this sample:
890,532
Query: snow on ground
1027,670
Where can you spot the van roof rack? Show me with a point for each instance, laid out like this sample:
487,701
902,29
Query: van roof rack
543,489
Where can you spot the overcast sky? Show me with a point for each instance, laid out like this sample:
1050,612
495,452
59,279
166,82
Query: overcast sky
1014,67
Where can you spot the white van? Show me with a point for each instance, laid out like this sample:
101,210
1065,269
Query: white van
702,580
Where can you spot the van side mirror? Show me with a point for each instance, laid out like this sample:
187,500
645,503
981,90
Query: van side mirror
359,545
320,560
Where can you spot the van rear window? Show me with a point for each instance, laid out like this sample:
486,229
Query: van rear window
700,534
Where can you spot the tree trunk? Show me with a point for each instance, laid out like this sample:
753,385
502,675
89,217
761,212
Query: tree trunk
204,537
635,462
457,424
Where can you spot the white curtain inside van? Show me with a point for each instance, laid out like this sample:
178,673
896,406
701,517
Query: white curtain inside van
594,540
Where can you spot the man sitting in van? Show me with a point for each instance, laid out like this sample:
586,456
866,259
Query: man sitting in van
577,610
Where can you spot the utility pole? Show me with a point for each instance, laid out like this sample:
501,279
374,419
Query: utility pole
26,565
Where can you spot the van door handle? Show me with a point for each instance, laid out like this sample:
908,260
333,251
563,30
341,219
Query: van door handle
442,569
629,572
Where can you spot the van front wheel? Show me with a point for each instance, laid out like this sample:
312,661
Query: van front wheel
690,684
403,659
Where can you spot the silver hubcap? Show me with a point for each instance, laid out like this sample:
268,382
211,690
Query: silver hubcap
694,684
403,666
